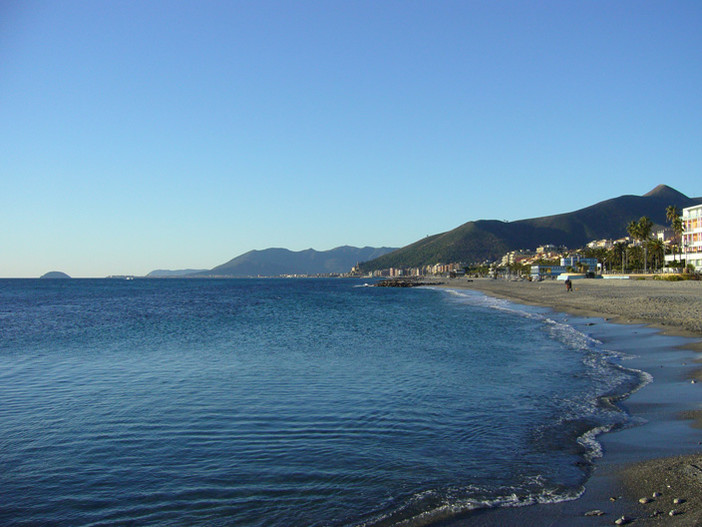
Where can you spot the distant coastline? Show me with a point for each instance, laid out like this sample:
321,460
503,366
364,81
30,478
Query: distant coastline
54,275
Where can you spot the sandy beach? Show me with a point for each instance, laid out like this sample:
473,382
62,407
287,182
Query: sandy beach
642,476
675,307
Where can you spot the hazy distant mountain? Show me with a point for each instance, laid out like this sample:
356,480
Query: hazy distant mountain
54,274
277,262
165,273
481,240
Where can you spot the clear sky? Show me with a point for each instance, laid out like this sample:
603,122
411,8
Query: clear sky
143,134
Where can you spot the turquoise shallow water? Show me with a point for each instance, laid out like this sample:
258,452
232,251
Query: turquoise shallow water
289,402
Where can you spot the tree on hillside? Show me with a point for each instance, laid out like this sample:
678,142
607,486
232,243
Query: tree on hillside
641,232
673,215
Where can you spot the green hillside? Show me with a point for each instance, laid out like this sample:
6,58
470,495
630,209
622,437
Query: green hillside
477,241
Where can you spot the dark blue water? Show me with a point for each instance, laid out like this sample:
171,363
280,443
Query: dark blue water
288,402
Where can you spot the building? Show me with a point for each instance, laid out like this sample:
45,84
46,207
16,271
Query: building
513,257
548,248
573,261
601,244
664,234
692,236
568,263
546,271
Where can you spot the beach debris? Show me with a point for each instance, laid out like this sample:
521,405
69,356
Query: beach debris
596,512
678,501
645,500
622,521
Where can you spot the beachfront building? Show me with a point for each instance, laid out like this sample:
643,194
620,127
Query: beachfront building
568,264
573,261
692,236
539,272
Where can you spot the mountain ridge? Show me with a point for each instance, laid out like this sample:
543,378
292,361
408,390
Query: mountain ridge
481,240
278,261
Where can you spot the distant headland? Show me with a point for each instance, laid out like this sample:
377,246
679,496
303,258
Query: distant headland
54,274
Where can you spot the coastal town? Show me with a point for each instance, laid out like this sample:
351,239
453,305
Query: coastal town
646,249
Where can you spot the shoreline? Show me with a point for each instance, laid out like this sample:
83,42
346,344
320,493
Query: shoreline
661,325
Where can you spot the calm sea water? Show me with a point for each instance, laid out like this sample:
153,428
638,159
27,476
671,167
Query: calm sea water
288,402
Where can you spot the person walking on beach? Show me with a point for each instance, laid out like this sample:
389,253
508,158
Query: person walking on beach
569,285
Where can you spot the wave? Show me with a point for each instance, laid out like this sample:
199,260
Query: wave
582,419
432,506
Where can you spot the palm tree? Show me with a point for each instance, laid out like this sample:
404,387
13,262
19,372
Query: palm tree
641,232
617,254
672,214
645,228
678,228
633,230
657,251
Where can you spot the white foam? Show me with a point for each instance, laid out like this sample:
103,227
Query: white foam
589,441
453,506
608,375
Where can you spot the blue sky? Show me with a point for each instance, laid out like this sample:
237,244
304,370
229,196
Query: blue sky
157,134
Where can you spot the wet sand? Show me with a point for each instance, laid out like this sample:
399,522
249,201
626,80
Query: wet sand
660,324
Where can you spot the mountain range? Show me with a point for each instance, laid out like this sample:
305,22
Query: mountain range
472,242
277,262
477,241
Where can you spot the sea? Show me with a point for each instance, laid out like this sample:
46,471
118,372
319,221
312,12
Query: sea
291,402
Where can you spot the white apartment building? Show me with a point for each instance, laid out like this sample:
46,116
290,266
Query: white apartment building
692,236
